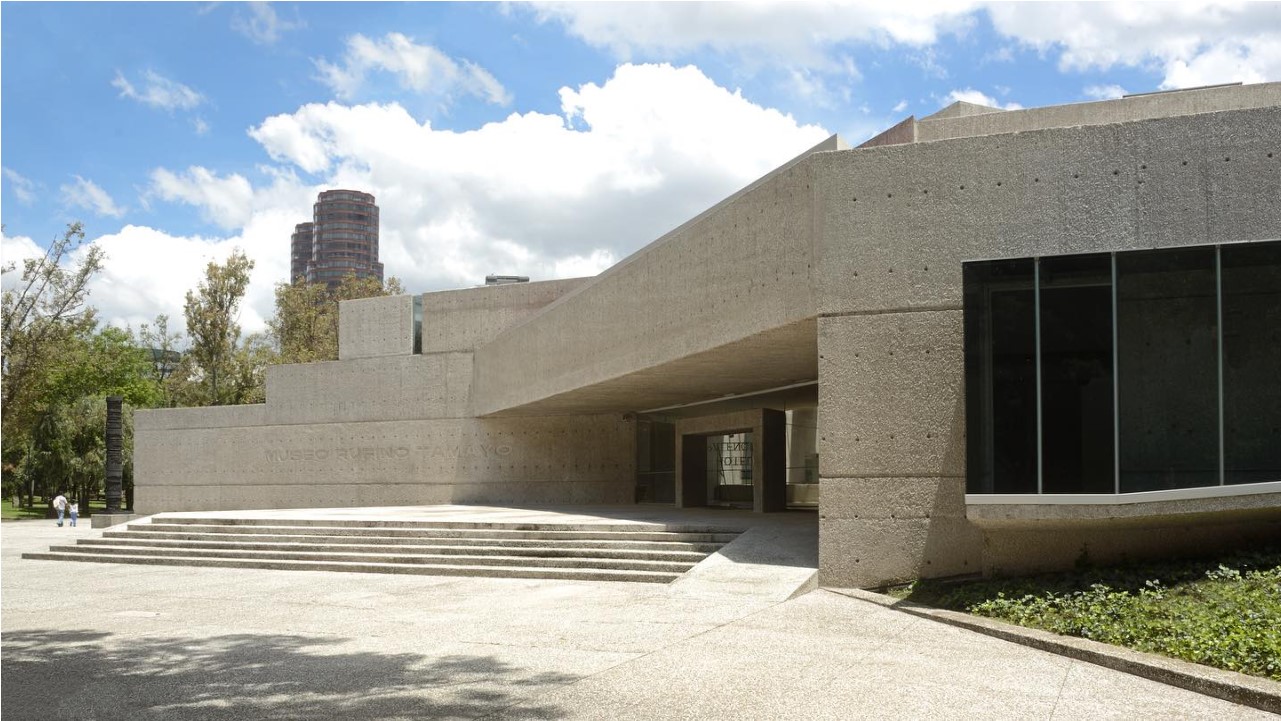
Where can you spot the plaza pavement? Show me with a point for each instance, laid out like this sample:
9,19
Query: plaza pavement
107,641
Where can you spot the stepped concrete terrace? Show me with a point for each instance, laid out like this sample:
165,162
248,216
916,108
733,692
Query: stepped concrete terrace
706,548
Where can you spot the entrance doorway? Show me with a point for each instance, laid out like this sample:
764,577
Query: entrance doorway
733,459
729,435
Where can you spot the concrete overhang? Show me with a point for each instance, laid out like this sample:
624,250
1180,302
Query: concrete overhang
782,356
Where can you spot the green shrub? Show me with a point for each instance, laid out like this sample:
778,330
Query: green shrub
1224,613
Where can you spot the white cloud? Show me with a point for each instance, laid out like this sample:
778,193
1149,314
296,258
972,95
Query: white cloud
1188,43
1104,92
420,68
261,24
578,266
24,189
199,125
226,202
231,202
899,107
796,33
970,95
544,195
158,92
148,272
86,194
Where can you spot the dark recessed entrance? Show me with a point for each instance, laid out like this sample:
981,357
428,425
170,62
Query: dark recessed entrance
757,451
734,459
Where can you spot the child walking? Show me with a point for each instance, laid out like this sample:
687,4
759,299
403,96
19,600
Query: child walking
74,508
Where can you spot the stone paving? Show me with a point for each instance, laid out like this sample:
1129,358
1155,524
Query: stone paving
103,641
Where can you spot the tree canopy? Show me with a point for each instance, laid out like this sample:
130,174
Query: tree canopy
59,364
305,326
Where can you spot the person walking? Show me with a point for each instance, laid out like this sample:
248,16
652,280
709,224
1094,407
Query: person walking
60,505
74,509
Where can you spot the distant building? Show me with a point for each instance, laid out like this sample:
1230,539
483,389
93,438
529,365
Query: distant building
505,279
300,251
341,240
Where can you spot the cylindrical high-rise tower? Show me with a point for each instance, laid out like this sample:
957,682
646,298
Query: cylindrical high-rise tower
344,238
299,252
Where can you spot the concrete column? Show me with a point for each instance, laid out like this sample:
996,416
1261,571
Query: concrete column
892,450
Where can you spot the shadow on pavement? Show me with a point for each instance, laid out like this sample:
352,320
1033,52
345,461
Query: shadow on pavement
91,675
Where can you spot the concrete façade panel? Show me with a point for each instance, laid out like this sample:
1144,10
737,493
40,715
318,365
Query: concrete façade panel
739,269
946,125
894,223
280,466
878,531
891,395
435,385
341,495
463,320
147,420
870,553
373,327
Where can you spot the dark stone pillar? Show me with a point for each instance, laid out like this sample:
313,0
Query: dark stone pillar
115,452
771,435
691,472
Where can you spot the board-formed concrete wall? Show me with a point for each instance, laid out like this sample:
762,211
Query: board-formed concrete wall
373,327
895,224
468,319
379,463
385,426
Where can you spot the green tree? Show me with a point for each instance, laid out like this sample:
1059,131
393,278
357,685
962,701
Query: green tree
161,347
110,362
44,313
305,327
67,450
211,312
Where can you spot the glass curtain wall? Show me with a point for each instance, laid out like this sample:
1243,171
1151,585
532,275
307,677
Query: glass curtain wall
1124,372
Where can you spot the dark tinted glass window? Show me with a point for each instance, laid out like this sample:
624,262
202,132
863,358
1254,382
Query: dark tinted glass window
1167,356
1000,369
1251,279
1076,375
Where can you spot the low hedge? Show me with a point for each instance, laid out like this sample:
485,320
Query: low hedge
1223,612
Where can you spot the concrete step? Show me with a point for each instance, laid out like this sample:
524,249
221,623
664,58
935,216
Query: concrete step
606,551
430,532
665,546
611,564
424,524
280,544
565,574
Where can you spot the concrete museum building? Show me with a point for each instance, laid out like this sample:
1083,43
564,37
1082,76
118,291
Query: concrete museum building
984,341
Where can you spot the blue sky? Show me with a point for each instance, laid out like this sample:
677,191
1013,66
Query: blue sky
544,139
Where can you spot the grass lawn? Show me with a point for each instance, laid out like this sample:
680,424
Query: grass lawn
1224,611
9,512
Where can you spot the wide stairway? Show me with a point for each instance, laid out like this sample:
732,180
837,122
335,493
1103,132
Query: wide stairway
653,553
